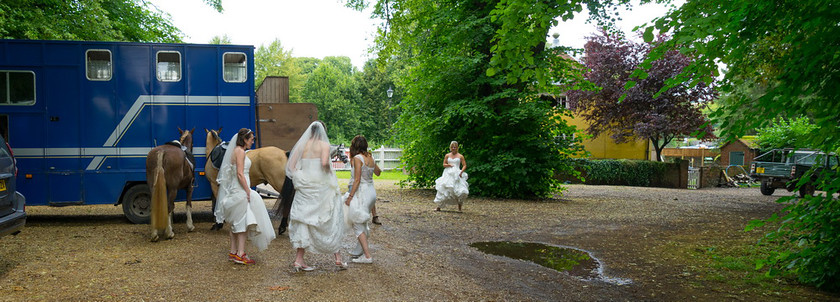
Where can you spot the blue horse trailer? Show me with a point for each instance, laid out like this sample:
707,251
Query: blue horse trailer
81,116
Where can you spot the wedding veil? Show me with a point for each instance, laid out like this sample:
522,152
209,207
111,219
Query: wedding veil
313,134
227,174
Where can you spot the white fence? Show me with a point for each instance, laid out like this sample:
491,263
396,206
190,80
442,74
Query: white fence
386,158
693,178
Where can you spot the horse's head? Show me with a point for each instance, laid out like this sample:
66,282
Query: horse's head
338,150
186,139
213,139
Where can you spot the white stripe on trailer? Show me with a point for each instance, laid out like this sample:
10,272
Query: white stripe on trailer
144,100
88,152
94,164
99,155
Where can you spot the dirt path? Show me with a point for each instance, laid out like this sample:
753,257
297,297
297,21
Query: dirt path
91,253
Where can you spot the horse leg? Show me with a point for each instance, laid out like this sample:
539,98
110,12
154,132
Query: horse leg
190,226
171,198
214,188
169,233
287,195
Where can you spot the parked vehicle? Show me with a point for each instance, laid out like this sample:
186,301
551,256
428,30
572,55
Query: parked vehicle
12,203
782,168
82,116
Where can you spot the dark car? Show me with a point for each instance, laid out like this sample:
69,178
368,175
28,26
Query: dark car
12,212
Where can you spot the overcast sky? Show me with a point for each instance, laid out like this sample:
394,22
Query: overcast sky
319,28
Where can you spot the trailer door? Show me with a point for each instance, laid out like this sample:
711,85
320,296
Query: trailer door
64,162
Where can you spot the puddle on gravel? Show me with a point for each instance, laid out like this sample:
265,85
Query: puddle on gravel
576,262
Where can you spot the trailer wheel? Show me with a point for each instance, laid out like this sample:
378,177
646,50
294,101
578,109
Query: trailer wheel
766,189
137,203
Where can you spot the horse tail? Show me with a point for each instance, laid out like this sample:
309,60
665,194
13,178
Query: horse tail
159,208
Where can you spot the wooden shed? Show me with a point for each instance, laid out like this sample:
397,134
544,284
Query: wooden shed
273,90
281,123
740,152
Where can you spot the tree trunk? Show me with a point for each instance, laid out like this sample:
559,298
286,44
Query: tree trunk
658,149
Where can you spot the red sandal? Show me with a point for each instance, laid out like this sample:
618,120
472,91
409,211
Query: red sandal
243,259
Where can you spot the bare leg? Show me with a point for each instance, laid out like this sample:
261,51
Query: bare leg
240,243
299,257
363,241
341,265
375,219
233,244
337,257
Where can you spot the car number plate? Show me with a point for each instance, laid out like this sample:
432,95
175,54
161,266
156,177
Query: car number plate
759,170
2,185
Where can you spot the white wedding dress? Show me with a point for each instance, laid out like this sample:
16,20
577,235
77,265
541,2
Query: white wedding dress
358,213
452,189
243,215
317,216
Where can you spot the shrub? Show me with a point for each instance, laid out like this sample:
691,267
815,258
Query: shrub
625,172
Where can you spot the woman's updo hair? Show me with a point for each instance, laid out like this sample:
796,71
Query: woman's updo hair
315,126
358,145
243,135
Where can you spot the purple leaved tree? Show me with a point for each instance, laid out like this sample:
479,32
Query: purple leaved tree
676,112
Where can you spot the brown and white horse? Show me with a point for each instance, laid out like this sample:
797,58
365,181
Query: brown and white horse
170,167
268,165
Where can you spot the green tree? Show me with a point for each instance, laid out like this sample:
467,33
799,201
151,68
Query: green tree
333,88
793,133
117,20
786,49
220,40
274,60
630,113
473,70
378,110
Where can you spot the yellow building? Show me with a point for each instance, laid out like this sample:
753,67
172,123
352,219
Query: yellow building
604,147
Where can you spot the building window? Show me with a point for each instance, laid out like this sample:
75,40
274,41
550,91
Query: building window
98,62
169,66
736,158
17,87
563,102
235,68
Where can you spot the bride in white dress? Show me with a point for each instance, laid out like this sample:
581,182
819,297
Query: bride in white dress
316,221
452,187
240,206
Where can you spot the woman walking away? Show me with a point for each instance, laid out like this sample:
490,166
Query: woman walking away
452,186
240,206
316,221
361,196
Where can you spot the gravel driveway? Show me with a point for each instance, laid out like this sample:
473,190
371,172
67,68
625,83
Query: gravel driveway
91,253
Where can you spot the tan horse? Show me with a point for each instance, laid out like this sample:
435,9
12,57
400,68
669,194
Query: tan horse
170,167
268,165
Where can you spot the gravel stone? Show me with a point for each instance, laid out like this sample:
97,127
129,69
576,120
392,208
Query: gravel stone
92,253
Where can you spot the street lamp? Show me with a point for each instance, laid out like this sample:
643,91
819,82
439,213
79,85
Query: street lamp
390,93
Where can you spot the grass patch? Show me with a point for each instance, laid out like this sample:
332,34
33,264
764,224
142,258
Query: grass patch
732,261
734,264
386,175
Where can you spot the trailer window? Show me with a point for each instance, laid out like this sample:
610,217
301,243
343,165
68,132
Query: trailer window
17,88
235,68
98,63
169,66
